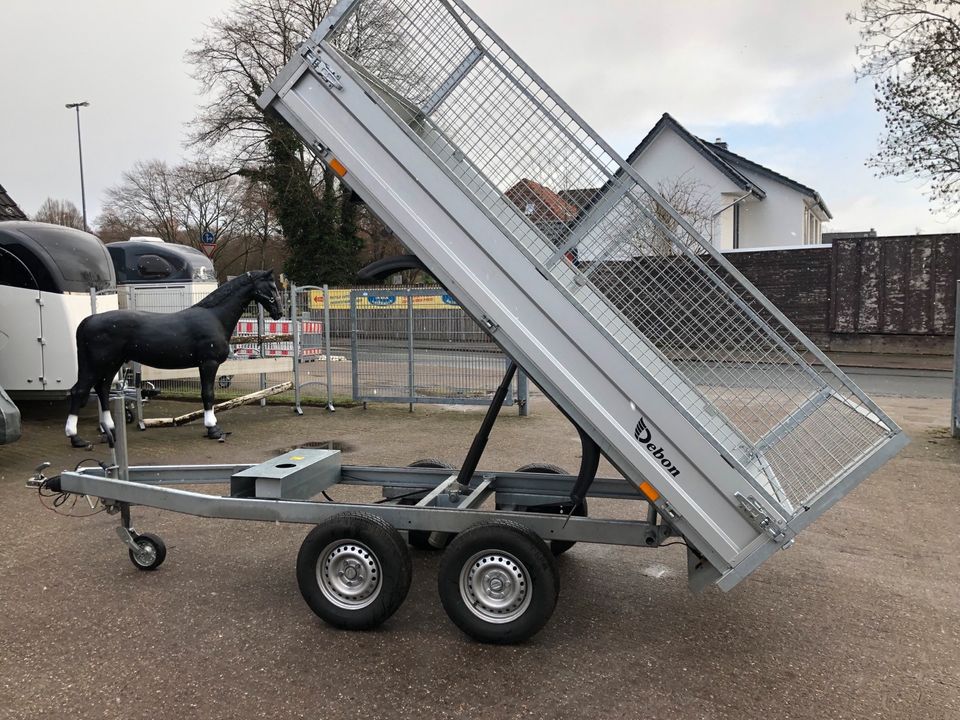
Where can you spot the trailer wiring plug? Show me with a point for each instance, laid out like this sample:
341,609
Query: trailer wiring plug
66,503
49,489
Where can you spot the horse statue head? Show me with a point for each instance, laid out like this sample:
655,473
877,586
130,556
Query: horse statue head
265,292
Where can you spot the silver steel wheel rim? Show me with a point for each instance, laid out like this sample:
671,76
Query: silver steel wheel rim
348,574
495,586
146,554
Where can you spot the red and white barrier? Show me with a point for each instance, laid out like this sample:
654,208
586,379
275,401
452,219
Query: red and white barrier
284,349
279,327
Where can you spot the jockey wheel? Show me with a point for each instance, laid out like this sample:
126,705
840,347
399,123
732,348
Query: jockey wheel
146,550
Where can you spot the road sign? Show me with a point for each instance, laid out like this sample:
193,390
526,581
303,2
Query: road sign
208,238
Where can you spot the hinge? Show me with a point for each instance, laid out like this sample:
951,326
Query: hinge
491,325
326,73
41,341
39,301
759,517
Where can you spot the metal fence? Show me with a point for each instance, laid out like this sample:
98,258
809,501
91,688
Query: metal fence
418,346
400,345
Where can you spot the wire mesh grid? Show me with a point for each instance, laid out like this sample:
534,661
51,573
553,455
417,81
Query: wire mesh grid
638,270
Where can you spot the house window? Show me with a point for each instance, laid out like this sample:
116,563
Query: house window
811,228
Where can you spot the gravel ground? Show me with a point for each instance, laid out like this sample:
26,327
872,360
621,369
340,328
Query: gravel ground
859,620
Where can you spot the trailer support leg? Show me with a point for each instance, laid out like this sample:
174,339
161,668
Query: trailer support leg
125,532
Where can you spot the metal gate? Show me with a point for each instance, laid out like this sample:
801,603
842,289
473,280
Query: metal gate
418,346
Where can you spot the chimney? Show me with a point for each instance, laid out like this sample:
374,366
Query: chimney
719,142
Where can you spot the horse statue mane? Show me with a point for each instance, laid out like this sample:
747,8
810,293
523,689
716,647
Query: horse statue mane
198,336
228,289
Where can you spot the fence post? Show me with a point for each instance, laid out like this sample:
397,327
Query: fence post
295,329
956,368
523,393
354,350
328,349
260,328
410,378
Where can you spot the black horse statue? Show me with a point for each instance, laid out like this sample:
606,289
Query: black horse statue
196,337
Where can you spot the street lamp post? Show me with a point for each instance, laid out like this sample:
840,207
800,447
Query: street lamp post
83,194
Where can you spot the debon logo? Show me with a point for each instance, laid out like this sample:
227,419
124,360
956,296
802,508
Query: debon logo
644,437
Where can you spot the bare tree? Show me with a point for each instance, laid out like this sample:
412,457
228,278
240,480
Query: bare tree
181,204
693,201
146,198
911,50
235,60
60,212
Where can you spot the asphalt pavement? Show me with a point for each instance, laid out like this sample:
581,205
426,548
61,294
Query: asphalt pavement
858,620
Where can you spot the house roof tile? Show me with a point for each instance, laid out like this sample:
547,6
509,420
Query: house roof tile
548,206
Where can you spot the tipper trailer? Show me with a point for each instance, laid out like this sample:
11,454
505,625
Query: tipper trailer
727,423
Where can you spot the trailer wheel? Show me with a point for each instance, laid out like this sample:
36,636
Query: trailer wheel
420,539
224,381
558,547
498,582
151,554
354,571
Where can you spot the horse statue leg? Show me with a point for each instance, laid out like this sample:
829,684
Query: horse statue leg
208,374
79,394
106,417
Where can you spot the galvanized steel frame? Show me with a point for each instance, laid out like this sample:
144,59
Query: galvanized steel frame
154,486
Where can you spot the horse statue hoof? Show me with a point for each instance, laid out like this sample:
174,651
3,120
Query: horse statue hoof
78,442
216,433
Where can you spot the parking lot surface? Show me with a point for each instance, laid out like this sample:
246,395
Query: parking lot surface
860,619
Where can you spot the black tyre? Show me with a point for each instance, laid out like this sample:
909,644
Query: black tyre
498,582
354,571
152,552
558,547
420,539
223,382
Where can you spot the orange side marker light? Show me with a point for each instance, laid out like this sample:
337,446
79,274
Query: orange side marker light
650,491
338,167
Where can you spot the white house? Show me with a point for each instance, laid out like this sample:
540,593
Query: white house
741,204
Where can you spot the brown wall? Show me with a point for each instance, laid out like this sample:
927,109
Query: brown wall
884,294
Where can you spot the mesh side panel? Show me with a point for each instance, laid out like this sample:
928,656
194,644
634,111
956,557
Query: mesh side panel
669,305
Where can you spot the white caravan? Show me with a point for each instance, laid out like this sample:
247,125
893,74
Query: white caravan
46,275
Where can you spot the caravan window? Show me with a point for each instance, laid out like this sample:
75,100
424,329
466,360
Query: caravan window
14,272
154,267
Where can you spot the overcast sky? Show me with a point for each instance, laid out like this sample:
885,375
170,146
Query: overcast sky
772,77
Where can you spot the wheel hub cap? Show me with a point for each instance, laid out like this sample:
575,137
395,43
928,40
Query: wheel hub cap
146,554
495,586
348,574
